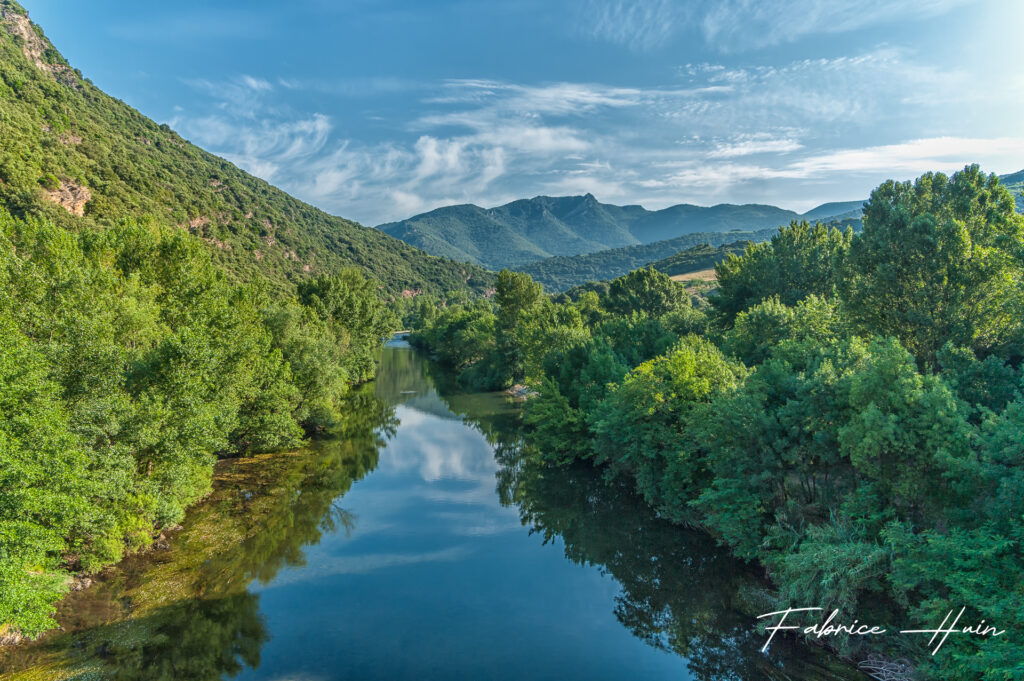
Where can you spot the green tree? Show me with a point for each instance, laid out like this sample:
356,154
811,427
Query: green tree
647,292
798,262
44,491
939,260
516,294
350,304
641,425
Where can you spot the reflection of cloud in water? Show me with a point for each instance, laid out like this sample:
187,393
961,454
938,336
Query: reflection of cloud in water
470,524
481,494
439,449
364,564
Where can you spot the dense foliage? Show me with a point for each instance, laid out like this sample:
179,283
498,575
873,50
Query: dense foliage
849,412
128,361
64,139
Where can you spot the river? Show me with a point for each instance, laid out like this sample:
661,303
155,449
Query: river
417,543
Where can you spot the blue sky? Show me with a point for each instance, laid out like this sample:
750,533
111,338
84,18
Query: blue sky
380,109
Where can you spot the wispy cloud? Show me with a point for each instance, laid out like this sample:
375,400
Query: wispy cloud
637,24
755,143
917,156
744,24
737,25
361,564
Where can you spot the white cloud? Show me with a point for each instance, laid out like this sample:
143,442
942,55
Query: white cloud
893,161
736,133
756,143
920,155
257,84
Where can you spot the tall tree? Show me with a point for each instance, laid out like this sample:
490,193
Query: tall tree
515,294
798,262
940,260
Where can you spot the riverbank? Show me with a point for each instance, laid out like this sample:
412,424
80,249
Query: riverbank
451,559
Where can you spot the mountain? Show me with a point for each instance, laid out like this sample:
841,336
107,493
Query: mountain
685,219
519,232
529,230
72,153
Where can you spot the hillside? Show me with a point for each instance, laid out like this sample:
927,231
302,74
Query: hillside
701,257
530,230
72,153
675,221
834,211
561,273
519,232
1015,183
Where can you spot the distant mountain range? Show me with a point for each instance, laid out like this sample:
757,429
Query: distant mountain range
565,240
529,230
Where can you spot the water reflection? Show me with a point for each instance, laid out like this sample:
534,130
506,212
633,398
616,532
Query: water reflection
188,612
421,571
679,590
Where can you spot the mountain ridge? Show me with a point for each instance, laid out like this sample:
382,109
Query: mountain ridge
525,231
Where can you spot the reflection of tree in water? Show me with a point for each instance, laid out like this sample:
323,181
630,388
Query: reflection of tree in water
200,639
679,591
303,499
191,615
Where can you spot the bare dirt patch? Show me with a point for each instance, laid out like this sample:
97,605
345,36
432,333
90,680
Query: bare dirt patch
696,275
71,196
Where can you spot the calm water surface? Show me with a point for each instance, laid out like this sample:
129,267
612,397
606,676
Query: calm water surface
417,544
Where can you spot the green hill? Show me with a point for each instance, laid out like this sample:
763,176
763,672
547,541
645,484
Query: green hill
81,157
685,218
530,230
1015,183
701,257
519,232
564,272
834,211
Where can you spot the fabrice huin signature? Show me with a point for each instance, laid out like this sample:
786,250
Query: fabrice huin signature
829,627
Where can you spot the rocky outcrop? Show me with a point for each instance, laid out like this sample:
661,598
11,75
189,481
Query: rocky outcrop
520,392
71,196
38,49
9,637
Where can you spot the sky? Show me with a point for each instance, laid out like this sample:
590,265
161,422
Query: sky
377,110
